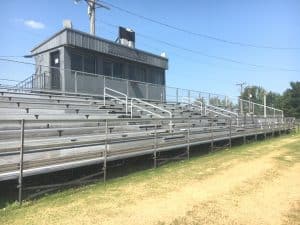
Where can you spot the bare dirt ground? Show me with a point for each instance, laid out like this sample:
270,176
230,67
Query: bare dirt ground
258,191
256,185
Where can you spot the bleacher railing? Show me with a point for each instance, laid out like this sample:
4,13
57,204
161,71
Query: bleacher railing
105,95
155,141
84,83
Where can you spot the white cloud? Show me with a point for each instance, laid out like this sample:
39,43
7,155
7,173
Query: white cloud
34,24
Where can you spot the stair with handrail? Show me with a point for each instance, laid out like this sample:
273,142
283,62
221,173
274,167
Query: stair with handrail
136,103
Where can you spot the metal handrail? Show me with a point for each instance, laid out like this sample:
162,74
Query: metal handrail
224,110
115,97
154,106
233,113
143,109
206,109
192,104
23,83
29,81
269,107
186,100
149,104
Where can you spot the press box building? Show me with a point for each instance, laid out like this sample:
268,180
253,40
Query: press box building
73,61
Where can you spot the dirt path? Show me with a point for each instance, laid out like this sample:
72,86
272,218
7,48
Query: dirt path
260,185
252,192
259,191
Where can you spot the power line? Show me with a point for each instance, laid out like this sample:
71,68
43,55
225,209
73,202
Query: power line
11,56
188,59
202,35
221,58
3,79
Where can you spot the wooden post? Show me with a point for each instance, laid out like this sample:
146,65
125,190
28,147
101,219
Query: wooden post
20,186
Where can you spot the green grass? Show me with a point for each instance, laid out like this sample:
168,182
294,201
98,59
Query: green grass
154,182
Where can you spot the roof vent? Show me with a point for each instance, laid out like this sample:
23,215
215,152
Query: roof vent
127,37
163,54
67,24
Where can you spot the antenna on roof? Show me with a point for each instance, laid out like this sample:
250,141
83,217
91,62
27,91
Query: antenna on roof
92,5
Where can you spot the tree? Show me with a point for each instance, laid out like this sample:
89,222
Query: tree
273,99
290,100
254,93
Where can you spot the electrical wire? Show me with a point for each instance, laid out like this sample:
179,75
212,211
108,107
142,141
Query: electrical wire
202,35
221,58
187,59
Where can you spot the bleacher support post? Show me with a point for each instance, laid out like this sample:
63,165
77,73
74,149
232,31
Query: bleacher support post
188,140
212,138
280,129
105,152
265,133
230,132
127,89
75,82
155,147
20,185
104,92
256,131
285,127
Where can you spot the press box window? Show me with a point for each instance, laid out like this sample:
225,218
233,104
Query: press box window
118,70
89,64
76,62
107,68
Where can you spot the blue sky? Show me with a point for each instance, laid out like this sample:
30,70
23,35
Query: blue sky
266,23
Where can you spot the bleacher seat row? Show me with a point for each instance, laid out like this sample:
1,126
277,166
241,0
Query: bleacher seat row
69,131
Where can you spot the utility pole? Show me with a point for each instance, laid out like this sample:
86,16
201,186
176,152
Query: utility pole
92,5
92,15
241,92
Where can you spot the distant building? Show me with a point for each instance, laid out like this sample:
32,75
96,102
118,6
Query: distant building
74,61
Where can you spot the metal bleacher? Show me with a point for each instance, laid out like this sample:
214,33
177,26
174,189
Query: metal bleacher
56,132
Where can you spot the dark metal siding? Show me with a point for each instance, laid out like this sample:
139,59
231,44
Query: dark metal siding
82,40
